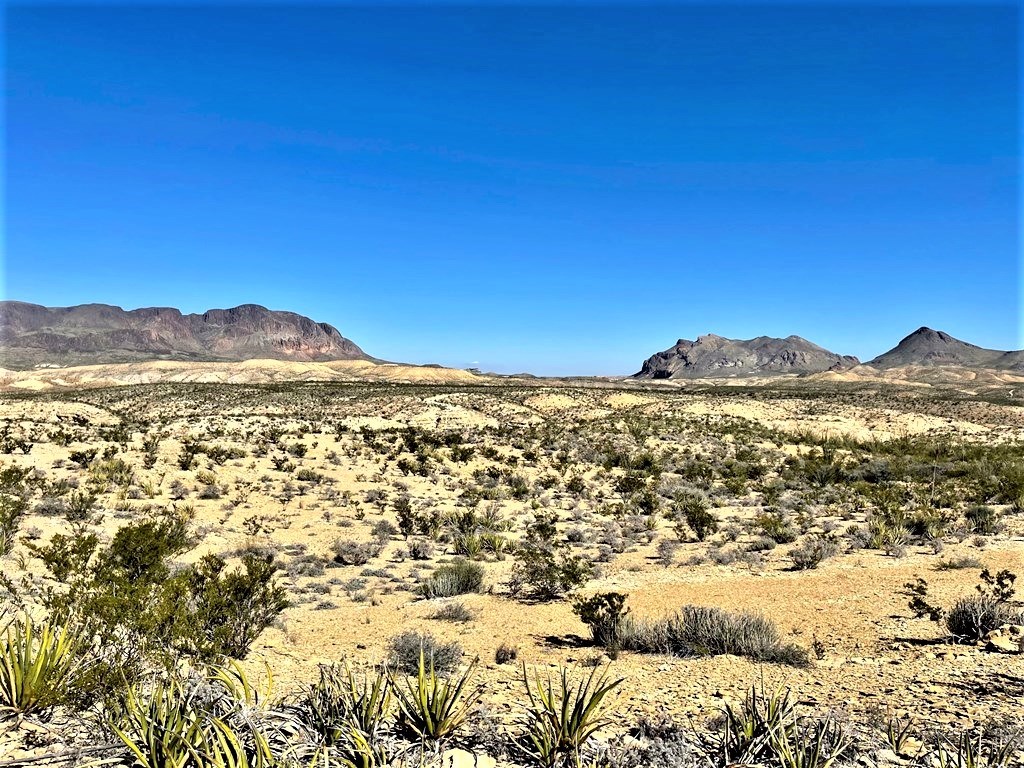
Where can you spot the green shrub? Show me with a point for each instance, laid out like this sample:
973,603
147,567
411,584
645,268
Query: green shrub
229,609
776,526
545,568
14,499
692,508
603,613
132,599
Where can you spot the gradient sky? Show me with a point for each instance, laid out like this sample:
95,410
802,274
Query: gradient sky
553,189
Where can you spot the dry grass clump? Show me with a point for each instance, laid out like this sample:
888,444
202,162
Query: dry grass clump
706,631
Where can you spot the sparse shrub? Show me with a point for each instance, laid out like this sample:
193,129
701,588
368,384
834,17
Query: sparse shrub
457,612
814,549
974,616
505,654
210,491
958,563
761,544
706,631
457,578
858,536
421,549
350,552
667,549
383,530
406,649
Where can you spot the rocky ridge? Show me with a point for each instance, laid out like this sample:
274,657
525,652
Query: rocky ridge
712,356
36,336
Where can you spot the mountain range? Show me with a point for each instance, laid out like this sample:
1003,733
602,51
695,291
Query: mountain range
712,356
33,335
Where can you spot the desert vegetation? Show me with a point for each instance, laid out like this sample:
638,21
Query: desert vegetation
524,575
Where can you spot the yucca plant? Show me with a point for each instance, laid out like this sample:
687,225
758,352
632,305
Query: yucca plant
748,732
817,745
432,707
170,728
974,750
163,729
897,733
340,699
38,664
561,716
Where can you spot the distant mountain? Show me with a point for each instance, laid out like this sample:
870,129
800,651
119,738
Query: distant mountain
33,335
712,356
925,347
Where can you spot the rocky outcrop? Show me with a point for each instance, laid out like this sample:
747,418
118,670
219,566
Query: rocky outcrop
32,335
712,356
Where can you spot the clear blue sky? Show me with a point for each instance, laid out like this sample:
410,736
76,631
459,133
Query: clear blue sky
553,189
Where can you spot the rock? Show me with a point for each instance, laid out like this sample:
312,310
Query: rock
461,758
887,757
1009,638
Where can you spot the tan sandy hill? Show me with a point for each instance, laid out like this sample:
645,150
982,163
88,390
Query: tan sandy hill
244,372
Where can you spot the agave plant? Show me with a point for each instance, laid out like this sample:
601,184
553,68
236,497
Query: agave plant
432,707
38,664
561,717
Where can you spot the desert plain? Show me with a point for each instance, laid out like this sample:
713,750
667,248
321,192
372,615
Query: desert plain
815,503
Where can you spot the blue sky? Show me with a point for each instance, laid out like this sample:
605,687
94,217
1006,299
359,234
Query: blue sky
558,189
